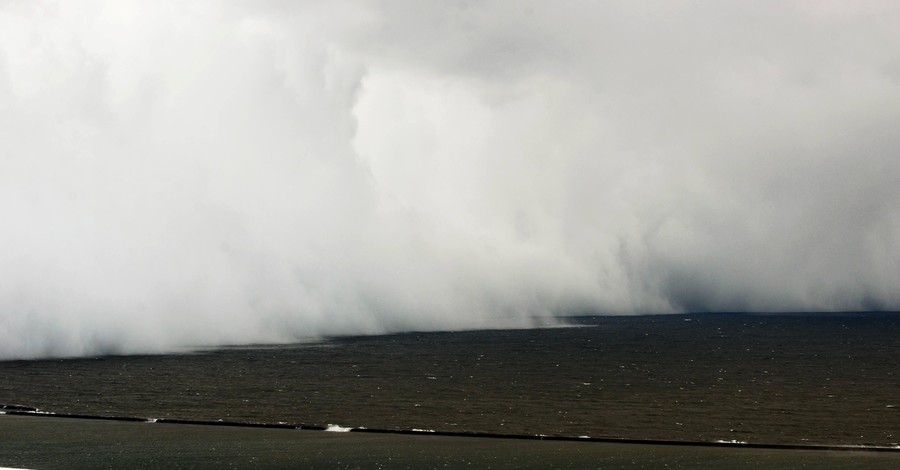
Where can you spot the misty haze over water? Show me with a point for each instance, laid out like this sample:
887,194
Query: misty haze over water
176,175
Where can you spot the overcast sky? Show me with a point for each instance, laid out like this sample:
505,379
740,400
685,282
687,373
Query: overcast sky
177,174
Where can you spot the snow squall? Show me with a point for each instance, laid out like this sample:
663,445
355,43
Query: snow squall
257,172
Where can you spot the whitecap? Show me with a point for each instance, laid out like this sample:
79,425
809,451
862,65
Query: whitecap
336,428
730,441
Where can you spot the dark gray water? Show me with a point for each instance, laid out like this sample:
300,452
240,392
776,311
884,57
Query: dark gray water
829,379
48,443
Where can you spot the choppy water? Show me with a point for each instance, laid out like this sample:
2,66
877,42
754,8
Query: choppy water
831,379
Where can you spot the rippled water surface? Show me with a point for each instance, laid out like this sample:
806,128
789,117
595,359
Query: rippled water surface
830,379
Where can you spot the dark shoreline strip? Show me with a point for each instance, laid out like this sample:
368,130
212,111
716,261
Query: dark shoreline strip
20,410
304,427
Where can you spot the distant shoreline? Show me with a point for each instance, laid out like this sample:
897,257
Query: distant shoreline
24,410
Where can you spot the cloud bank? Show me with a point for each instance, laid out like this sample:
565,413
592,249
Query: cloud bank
177,175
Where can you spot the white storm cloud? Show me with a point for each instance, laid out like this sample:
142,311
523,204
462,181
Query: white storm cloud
179,175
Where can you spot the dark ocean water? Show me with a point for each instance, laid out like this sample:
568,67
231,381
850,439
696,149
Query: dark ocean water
826,379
